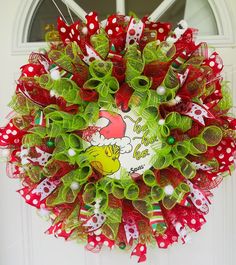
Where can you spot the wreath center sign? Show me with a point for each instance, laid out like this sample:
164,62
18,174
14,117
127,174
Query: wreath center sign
120,140
120,131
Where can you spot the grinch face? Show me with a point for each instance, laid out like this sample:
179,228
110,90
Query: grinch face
105,159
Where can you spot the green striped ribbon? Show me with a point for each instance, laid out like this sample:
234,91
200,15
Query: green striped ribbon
156,218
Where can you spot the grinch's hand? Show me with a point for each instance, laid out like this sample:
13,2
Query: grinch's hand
105,159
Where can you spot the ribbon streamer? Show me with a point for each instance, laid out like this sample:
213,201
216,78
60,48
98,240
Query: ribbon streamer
131,230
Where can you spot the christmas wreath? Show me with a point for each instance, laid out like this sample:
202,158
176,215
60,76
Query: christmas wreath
119,131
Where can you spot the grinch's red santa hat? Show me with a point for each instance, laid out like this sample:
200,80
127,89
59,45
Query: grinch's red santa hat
109,130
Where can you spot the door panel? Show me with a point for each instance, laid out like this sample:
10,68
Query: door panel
23,241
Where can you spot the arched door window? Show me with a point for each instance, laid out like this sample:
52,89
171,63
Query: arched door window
210,17
198,13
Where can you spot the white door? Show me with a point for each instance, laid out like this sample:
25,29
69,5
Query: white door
22,240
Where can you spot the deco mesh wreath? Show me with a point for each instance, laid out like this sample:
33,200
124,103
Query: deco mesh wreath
119,132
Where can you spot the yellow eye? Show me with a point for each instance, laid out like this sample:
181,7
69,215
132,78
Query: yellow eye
108,150
116,151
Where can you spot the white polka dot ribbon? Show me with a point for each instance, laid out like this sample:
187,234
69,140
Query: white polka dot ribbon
97,220
198,198
57,230
95,242
215,63
45,188
140,250
92,23
37,196
201,166
131,230
182,232
134,31
91,55
196,112
41,159
10,135
178,32
225,154
182,77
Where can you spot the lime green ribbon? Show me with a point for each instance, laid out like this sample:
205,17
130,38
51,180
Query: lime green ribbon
91,112
72,220
113,228
94,191
21,105
101,80
160,53
63,87
67,58
31,140
114,215
140,83
103,86
113,219
226,102
173,121
149,178
58,122
185,167
195,61
175,155
212,135
34,173
124,188
68,148
100,43
158,194
107,102
134,62
89,194
169,201
145,105
171,85
66,192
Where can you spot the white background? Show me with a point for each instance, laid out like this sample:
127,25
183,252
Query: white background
22,240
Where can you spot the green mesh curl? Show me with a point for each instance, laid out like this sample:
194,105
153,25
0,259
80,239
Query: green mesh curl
161,53
226,102
212,135
171,85
140,83
134,64
21,104
31,140
100,42
157,193
176,121
67,58
89,194
101,80
149,178
197,146
63,87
